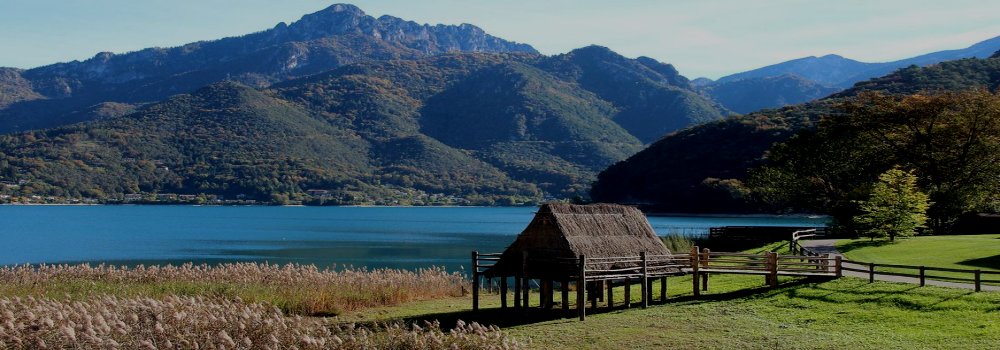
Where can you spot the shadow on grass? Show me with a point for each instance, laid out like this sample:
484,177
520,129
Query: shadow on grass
516,317
990,262
911,297
862,244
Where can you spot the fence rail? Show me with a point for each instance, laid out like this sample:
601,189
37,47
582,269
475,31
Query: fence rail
591,274
975,277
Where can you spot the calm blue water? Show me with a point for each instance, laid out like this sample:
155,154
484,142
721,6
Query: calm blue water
397,237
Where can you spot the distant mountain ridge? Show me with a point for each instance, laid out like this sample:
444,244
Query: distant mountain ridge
340,34
819,76
840,72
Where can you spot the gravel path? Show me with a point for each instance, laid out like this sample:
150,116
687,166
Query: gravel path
829,246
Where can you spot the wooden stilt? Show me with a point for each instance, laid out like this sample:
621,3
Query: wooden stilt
527,292
644,280
503,292
580,288
611,296
565,295
628,292
517,292
663,289
475,281
525,282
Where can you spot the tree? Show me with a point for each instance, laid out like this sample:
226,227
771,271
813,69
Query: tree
895,208
951,140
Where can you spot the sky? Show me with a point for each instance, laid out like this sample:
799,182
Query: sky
706,38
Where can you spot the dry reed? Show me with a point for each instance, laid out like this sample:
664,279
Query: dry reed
177,322
295,289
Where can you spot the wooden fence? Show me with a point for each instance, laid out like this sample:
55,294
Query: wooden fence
975,277
592,274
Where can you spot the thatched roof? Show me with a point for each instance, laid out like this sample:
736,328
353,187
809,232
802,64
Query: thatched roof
566,231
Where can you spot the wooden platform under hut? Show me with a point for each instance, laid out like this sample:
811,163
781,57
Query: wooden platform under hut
586,248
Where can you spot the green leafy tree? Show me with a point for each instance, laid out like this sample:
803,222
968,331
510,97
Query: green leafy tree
895,208
951,140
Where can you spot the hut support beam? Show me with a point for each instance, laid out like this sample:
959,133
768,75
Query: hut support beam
517,292
592,293
611,296
628,292
525,287
581,282
503,292
645,281
663,289
527,292
565,295
475,281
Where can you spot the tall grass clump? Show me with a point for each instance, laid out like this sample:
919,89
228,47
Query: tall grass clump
177,322
679,243
295,289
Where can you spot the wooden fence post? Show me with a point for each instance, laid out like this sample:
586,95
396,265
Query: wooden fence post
475,281
871,272
694,271
503,292
645,280
978,279
922,275
838,264
704,263
772,266
581,282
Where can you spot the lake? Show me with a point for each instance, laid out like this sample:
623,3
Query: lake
396,237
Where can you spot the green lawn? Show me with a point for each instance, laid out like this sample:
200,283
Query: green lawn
954,252
739,312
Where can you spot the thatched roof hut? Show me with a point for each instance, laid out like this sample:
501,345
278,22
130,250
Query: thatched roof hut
560,233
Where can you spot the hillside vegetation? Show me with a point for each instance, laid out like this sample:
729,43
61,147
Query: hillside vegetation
706,166
451,129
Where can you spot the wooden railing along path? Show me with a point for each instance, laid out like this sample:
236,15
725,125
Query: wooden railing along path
973,277
591,274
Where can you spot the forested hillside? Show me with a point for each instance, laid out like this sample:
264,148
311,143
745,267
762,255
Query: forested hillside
704,168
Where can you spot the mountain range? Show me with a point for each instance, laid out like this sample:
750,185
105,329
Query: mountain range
367,110
809,78
341,34
343,108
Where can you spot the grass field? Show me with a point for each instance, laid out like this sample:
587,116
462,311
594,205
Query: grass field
956,252
739,313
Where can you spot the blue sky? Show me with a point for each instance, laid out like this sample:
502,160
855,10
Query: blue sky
702,38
